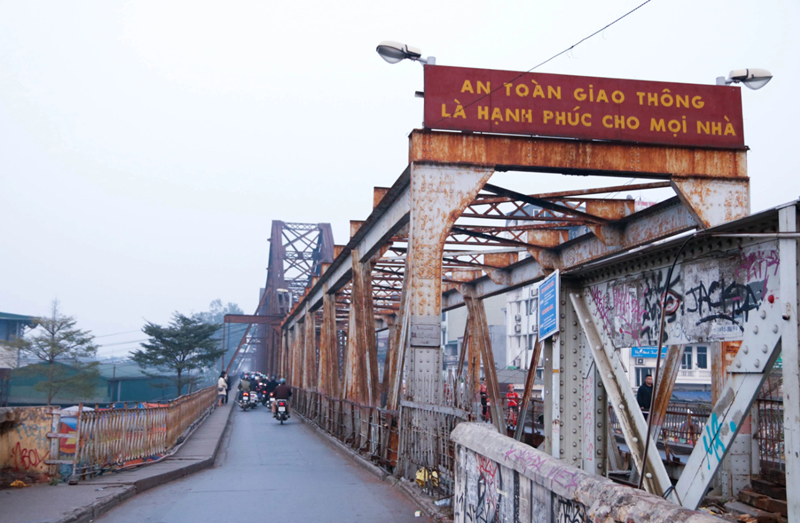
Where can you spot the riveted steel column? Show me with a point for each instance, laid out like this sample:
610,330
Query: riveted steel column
328,380
361,371
791,366
439,193
583,412
310,352
297,355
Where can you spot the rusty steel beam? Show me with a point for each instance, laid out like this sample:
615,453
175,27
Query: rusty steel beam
663,393
258,319
544,204
526,394
480,328
579,192
517,153
655,223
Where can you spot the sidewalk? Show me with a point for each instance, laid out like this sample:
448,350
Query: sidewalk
89,499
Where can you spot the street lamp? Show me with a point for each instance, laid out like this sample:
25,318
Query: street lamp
752,78
394,52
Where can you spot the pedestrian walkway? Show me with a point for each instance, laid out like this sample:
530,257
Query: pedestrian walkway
86,501
278,472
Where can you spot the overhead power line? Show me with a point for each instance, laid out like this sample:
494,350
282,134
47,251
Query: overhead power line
568,49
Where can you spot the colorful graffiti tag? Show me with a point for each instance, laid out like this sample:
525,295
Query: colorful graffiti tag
706,300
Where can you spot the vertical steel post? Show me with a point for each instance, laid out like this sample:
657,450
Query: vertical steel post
328,379
310,352
791,365
438,196
550,398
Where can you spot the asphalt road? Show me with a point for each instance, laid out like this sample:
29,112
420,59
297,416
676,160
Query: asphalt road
269,471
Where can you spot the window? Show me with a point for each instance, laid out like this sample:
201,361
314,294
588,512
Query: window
686,361
540,373
702,357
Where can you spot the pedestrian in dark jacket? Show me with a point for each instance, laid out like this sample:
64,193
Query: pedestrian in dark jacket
645,395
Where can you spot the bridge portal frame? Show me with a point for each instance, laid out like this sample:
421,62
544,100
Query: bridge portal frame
446,172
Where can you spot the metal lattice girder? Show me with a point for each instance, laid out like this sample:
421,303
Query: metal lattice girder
660,221
615,382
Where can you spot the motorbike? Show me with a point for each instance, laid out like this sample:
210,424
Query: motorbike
282,410
249,400
268,399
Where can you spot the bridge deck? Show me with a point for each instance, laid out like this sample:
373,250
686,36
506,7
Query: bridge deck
283,473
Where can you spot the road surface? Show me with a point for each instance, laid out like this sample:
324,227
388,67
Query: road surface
267,471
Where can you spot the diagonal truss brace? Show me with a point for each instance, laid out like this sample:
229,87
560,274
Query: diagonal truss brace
760,349
631,419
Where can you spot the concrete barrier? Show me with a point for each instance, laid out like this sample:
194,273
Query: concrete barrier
24,446
500,479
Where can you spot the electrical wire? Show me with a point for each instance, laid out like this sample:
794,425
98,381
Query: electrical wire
116,334
573,46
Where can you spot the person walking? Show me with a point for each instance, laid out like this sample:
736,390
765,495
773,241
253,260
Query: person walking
227,387
221,389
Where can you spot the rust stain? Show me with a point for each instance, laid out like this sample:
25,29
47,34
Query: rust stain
553,154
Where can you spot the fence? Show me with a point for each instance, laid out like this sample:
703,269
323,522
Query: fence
368,430
120,438
770,435
420,436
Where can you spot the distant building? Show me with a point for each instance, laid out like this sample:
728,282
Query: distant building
11,326
453,323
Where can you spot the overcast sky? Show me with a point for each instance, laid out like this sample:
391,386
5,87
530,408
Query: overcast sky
145,147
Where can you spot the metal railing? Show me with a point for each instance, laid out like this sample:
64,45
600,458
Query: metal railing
121,438
683,423
770,434
371,431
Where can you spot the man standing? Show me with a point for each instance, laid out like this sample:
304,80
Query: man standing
644,395
484,399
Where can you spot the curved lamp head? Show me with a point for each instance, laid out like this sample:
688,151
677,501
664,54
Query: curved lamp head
394,52
751,78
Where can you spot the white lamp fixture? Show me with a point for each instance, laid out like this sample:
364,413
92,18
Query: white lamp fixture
751,78
394,52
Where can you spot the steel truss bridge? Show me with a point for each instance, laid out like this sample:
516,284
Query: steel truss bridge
438,240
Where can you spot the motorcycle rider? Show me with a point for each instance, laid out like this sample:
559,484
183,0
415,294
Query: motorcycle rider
272,384
281,392
244,386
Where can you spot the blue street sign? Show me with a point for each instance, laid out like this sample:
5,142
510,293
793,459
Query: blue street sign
647,352
548,306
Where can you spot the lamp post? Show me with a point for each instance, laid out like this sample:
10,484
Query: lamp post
395,52
751,78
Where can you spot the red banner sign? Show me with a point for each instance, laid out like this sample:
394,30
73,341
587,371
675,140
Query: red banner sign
507,102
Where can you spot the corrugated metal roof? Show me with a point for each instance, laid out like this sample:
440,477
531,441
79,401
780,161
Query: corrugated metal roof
15,317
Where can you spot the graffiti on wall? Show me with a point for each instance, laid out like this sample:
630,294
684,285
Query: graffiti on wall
707,300
567,510
479,498
25,446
